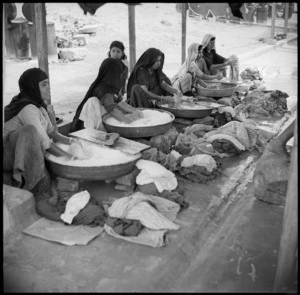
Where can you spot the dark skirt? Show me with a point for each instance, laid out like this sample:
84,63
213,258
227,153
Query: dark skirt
140,99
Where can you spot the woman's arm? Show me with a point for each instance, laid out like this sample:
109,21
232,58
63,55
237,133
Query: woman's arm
159,98
58,137
168,88
57,151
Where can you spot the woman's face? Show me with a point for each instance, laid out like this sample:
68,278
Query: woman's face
44,87
211,44
157,63
116,52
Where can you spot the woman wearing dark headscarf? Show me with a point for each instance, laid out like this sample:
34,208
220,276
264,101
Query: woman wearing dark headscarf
28,133
214,61
104,97
116,50
147,83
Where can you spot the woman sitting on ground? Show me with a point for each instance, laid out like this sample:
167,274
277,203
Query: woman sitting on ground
190,74
116,50
147,83
214,61
28,134
103,97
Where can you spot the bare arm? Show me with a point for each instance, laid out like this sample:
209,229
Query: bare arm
164,99
57,137
57,151
168,88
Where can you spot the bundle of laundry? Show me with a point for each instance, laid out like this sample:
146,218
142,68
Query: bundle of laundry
156,173
78,209
223,115
231,101
200,168
251,74
236,137
263,104
190,144
155,214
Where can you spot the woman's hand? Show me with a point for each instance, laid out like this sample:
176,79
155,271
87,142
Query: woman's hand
168,100
129,118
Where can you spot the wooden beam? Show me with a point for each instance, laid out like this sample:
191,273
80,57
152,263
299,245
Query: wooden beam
183,32
273,20
286,18
132,46
41,36
287,256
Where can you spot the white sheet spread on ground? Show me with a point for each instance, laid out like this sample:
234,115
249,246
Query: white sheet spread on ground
56,231
154,172
156,222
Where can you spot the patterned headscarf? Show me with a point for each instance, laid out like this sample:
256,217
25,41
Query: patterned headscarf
192,55
206,40
29,93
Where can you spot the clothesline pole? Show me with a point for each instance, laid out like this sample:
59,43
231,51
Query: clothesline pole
273,20
132,47
287,256
183,40
286,18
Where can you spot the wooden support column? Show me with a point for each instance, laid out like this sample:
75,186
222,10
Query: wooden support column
132,46
3,57
41,36
287,256
183,30
286,18
273,20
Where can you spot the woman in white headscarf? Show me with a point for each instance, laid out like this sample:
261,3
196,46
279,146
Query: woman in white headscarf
214,61
189,73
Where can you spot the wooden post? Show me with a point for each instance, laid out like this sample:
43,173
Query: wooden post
183,39
41,36
287,261
3,57
273,20
286,18
132,48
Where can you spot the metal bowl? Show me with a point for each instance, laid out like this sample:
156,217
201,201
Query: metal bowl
141,132
224,89
187,113
91,173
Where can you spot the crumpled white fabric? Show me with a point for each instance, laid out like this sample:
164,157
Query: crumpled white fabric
91,114
154,172
77,202
200,160
227,109
156,221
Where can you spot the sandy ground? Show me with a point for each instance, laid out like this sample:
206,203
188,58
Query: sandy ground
157,25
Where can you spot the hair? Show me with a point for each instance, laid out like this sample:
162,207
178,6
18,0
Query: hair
119,45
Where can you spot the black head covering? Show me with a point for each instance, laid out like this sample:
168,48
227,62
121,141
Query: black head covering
109,78
29,93
117,44
146,61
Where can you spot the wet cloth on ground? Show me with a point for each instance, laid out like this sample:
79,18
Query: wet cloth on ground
155,214
154,172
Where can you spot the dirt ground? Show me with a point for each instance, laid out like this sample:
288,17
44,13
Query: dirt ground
157,25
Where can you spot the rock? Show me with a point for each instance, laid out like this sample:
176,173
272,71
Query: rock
166,23
66,185
206,121
129,179
72,54
81,38
165,141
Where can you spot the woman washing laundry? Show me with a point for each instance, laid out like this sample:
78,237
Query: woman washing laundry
104,96
28,133
147,83
190,73
214,61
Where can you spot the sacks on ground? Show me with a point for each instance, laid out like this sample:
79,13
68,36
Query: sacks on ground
154,172
235,137
155,214
263,104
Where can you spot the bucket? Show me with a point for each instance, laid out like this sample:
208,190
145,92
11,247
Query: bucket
52,48
261,14
17,39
